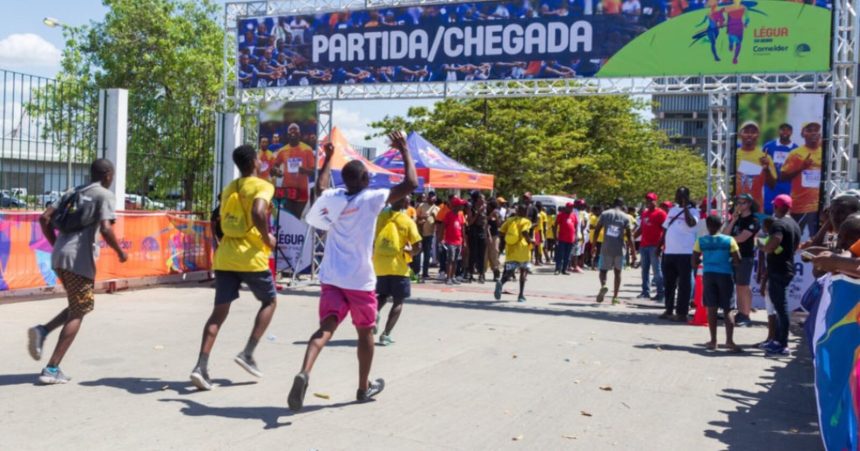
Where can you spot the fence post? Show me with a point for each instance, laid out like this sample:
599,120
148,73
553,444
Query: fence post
113,137
228,136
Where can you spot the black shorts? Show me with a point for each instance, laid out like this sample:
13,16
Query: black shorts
227,285
743,271
398,287
718,290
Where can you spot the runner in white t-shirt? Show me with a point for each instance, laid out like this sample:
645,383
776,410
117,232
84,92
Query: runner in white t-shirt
679,239
346,273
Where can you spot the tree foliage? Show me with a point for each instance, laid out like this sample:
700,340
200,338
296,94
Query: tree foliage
168,54
596,147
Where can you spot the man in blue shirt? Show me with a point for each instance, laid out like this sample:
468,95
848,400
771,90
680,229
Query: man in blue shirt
720,253
778,150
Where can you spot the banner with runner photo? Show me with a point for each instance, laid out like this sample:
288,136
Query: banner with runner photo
780,150
287,153
546,39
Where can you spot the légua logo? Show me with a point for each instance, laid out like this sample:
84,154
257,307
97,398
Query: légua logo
802,49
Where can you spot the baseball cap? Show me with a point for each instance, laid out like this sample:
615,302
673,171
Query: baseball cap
783,200
744,196
748,123
651,196
501,200
569,205
457,202
807,124
667,204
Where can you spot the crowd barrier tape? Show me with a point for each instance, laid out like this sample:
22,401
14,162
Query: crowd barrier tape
157,244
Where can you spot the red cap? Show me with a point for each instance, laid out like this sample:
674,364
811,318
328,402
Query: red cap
457,202
667,204
783,200
569,205
651,196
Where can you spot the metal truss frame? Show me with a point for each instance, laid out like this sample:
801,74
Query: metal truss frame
840,83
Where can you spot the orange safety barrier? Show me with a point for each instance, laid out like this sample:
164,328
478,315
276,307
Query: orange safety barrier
700,318
157,243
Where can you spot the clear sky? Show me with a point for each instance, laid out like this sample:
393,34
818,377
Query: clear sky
29,46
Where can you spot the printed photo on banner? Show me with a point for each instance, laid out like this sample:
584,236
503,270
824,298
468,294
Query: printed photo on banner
287,152
534,39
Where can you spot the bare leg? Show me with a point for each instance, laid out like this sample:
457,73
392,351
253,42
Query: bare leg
523,274
213,325
602,277
730,329
744,299
58,320
712,326
318,341
393,316
617,282
365,355
263,319
67,336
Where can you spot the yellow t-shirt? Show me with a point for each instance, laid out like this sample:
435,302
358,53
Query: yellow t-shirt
521,250
249,253
550,228
750,177
541,223
397,265
805,185
593,221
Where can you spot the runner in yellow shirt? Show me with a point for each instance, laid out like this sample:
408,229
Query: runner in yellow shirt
803,168
517,233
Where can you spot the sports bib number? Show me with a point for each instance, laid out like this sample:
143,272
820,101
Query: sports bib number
293,165
613,231
811,178
779,157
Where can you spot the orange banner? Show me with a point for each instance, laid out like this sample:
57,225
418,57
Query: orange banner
157,244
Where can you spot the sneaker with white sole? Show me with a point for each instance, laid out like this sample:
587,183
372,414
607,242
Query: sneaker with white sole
36,340
385,340
373,388
53,376
200,379
296,398
248,364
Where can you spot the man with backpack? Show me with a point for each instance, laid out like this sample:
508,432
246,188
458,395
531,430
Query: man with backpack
241,257
346,272
77,216
397,239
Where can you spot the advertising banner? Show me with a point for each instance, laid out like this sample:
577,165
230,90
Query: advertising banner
780,151
837,359
288,139
534,40
158,244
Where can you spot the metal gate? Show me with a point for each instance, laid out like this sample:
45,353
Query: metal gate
48,131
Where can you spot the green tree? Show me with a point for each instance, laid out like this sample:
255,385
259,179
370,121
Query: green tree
596,147
168,54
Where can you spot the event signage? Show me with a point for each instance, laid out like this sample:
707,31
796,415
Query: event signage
521,40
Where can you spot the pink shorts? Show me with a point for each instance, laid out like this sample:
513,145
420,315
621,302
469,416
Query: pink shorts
337,302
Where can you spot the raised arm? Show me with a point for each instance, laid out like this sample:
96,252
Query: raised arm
324,180
410,181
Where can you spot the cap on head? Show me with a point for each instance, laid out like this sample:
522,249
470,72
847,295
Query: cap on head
293,127
457,202
501,200
570,205
782,201
750,124
651,197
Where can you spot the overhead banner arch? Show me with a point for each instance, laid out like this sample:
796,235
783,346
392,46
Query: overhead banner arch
551,39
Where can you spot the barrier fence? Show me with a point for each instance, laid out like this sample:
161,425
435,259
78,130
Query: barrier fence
157,243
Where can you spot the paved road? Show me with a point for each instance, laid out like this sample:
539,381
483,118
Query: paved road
467,372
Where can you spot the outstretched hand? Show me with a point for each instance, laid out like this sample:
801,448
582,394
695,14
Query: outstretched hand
398,141
328,148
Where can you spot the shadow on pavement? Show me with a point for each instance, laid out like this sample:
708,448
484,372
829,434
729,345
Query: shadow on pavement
333,343
597,311
270,416
19,379
144,386
700,349
782,415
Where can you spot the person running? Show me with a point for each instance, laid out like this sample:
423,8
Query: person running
616,222
346,272
454,224
651,231
494,221
242,257
743,227
427,225
678,241
519,238
77,216
397,239
565,228
783,240
720,253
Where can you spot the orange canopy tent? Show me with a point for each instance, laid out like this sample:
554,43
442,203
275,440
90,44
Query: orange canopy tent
344,153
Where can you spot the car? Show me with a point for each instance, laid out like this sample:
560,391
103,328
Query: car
7,201
49,198
138,202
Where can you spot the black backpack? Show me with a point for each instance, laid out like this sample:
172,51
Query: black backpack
74,213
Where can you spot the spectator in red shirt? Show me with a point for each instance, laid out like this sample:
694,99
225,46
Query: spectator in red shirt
651,232
565,232
453,240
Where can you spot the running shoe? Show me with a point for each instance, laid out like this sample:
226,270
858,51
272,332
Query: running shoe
53,376
247,362
296,398
776,348
615,301
742,320
498,292
385,340
373,388
36,340
602,294
200,379
521,299
765,344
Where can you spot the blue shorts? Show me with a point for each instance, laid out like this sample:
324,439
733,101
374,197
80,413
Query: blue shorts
227,284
